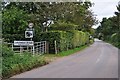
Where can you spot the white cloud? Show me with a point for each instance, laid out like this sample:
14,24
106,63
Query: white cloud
104,8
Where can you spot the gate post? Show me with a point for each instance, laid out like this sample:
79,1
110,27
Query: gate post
12,47
33,50
55,47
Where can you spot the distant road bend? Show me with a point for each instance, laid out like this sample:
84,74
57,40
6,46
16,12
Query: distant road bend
100,60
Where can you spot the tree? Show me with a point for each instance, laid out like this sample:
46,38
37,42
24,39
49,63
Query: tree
75,12
14,21
110,28
118,17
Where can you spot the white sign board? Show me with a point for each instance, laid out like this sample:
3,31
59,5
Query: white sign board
23,43
28,34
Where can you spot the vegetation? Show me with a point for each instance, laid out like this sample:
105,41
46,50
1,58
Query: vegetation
17,63
64,39
14,21
66,53
63,16
69,24
110,29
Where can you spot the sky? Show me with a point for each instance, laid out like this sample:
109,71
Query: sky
104,8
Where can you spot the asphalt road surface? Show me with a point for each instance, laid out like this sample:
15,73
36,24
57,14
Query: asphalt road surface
100,60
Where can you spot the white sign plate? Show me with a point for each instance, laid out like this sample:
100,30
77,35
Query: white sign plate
23,43
28,34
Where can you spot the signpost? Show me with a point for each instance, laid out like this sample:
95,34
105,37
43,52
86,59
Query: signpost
29,31
28,34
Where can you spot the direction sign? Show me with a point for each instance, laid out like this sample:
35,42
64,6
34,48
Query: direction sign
23,43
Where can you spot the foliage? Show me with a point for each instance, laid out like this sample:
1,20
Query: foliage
65,39
7,52
11,37
110,29
63,26
115,39
20,63
16,63
14,21
39,12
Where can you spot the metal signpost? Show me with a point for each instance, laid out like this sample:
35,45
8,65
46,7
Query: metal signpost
23,44
29,34
29,45
29,31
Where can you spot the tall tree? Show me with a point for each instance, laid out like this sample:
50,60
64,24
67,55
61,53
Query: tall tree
40,12
14,21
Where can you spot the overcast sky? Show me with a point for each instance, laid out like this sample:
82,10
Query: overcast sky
104,8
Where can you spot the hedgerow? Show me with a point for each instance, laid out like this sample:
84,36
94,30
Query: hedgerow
65,39
16,63
115,39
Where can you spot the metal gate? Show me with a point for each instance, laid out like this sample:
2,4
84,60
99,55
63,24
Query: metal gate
40,47
37,48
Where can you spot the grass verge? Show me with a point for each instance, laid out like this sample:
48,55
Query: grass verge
15,64
69,52
52,57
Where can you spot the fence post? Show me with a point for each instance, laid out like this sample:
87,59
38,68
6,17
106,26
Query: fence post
55,47
20,50
45,47
27,48
33,50
12,47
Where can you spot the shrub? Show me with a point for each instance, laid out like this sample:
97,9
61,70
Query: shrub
6,52
12,37
63,26
19,63
115,40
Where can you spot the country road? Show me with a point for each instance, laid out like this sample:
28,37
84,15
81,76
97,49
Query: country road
100,60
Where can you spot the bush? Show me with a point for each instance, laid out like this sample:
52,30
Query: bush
115,40
11,37
63,26
19,63
6,52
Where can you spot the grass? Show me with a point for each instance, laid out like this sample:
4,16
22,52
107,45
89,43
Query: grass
52,57
69,52
20,63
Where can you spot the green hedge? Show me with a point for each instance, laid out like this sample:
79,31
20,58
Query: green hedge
65,39
63,26
11,37
7,52
115,39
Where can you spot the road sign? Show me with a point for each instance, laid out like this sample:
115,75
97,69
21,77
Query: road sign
23,43
28,34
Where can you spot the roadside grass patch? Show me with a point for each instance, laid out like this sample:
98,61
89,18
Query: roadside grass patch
69,52
13,64
20,63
